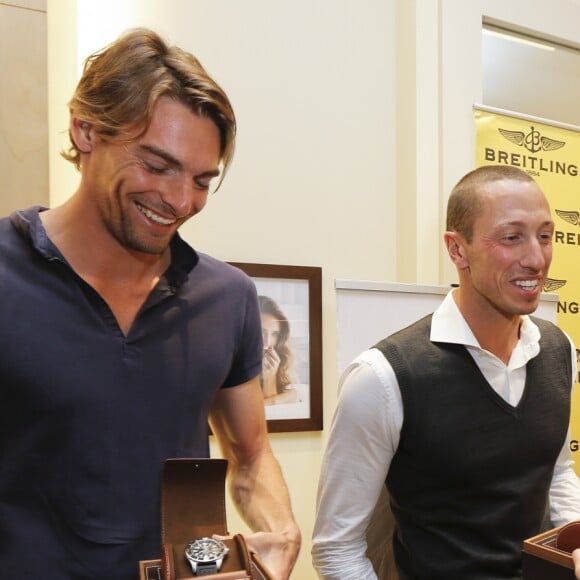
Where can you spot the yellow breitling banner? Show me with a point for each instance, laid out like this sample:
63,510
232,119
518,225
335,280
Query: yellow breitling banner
551,154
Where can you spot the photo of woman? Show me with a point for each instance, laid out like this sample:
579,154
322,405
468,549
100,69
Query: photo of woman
278,374
290,306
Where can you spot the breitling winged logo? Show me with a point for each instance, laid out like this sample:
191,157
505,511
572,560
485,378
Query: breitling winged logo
533,141
572,217
551,284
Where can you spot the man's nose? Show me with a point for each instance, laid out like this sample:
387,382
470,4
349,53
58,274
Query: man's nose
535,255
185,198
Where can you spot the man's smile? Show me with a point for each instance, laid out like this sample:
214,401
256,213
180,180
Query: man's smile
154,216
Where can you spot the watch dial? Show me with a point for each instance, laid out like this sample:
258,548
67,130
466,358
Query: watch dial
205,550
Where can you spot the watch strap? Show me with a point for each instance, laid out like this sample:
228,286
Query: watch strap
206,568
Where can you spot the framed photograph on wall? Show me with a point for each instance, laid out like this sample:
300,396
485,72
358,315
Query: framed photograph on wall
291,310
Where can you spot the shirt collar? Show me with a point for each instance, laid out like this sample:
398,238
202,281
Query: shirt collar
448,325
183,257
28,223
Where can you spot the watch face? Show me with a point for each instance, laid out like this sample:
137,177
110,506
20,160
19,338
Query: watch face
205,550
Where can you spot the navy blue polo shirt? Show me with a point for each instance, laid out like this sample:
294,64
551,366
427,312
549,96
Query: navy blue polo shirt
88,415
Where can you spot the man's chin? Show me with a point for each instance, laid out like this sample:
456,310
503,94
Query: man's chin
149,247
530,307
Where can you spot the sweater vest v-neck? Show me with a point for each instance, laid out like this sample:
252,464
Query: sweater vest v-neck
471,475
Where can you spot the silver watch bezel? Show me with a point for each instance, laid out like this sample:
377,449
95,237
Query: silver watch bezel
216,557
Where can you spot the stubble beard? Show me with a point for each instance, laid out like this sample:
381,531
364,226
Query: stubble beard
126,232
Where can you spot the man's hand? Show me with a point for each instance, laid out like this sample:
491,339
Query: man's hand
278,551
576,558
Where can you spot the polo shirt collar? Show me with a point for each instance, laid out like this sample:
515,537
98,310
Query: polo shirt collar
183,257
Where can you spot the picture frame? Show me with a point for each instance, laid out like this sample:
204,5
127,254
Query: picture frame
291,308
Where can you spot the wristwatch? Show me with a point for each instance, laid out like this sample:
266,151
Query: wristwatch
205,555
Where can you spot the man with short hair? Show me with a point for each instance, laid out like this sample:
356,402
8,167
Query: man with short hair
464,414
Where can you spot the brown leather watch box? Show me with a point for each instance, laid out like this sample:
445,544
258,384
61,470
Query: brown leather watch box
548,556
193,506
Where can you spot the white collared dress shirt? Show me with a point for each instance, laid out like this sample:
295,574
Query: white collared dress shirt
365,432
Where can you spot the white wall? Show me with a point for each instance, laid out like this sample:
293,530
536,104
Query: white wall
354,122
23,105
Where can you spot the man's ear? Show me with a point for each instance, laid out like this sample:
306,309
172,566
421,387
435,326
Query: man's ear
82,134
456,248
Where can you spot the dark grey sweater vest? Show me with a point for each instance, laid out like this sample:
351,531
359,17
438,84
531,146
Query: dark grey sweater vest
470,478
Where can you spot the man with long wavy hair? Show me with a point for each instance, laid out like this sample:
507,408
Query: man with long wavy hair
120,340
